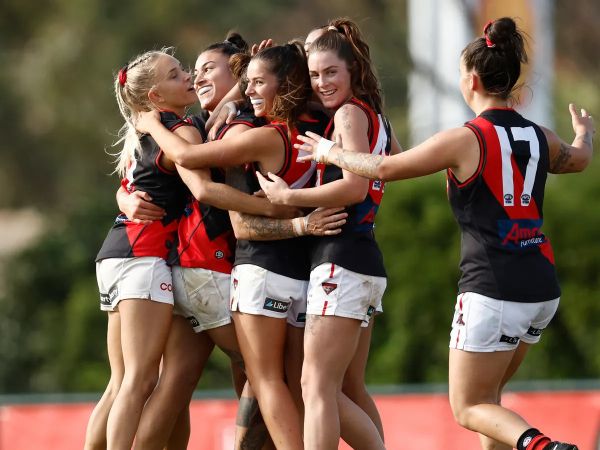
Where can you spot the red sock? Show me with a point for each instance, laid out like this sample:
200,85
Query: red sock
538,442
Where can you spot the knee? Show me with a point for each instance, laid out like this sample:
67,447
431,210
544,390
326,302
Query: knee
463,413
313,386
139,384
113,386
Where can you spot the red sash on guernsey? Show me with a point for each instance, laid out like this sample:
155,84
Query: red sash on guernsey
504,254
206,239
128,239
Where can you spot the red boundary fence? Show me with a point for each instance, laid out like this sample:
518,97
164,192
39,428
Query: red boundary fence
411,422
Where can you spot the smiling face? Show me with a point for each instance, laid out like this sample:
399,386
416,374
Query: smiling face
262,87
330,78
213,78
173,90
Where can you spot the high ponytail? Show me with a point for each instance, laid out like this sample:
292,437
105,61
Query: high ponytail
233,43
497,56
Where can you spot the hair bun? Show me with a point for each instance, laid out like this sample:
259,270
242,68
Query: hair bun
503,33
235,39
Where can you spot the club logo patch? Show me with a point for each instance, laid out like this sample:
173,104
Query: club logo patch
329,287
193,321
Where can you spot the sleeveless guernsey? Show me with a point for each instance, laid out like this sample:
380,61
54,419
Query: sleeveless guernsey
504,254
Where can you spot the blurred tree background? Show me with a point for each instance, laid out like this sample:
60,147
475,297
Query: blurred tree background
59,118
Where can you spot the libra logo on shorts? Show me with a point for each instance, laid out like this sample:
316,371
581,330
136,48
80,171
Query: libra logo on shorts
535,331
276,305
509,339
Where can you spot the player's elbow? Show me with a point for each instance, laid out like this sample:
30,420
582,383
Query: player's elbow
240,231
384,171
181,159
200,193
357,194
584,161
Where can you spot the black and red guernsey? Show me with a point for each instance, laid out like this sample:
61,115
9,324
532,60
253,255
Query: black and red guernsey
504,254
355,248
127,239
287,257
206,237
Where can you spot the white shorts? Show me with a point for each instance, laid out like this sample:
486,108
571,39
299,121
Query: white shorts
145,277
335,291
202,297
484,324
255,290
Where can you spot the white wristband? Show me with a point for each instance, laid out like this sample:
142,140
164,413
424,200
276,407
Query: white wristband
322,151
299,229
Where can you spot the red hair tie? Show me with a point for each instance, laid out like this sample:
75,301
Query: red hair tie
122,76
488,41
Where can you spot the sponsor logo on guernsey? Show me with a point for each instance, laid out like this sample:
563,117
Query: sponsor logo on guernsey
276,305
193,321
509,339
508,199
219,254
329,287
520,233
525,199
535,331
